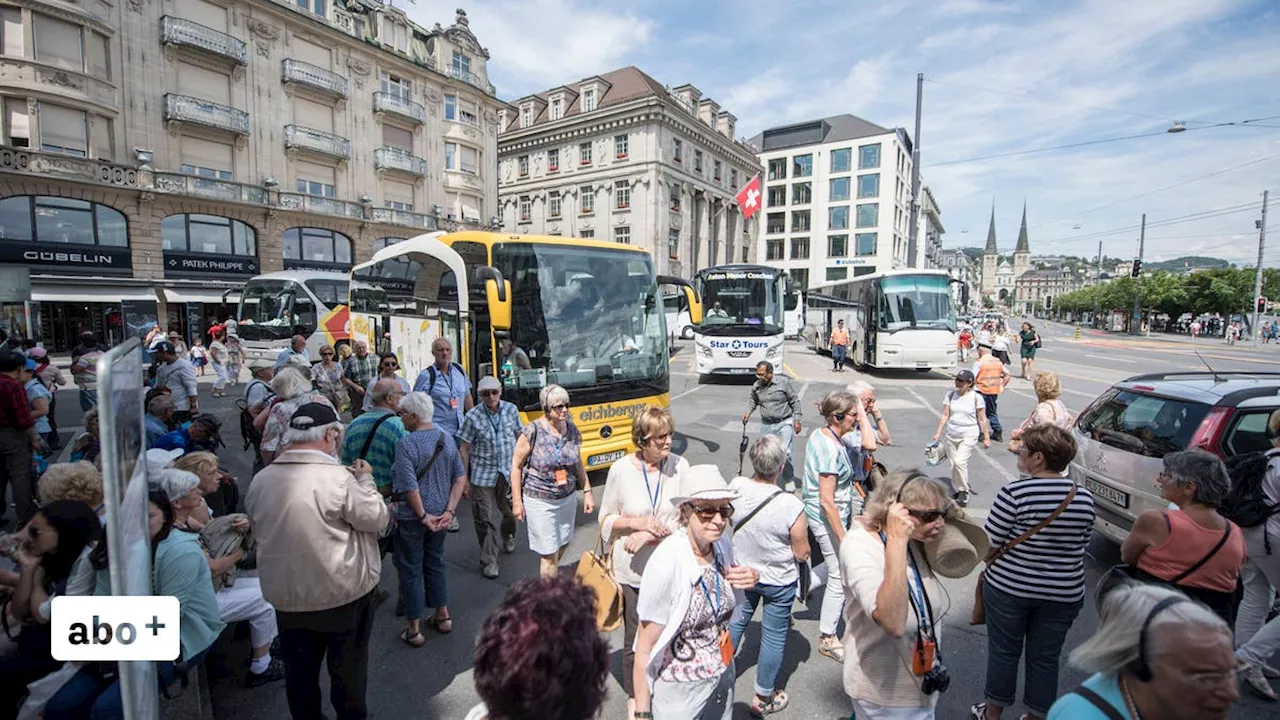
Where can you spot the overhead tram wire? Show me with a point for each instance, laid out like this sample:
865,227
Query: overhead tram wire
1129,229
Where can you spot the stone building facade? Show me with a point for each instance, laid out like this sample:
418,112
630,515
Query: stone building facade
999,275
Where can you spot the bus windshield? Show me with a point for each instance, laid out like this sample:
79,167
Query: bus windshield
584,316
267,310
744,302
916,302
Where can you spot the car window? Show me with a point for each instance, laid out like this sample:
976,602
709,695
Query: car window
1248,433
1141,423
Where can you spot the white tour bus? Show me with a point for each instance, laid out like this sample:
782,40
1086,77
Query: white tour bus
793,310
895,319
276,306
742,318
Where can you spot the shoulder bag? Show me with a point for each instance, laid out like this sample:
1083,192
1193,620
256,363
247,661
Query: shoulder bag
1225,604
979,616
595,570
384,539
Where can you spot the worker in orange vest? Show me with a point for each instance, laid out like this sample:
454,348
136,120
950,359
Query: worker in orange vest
839,346
990,378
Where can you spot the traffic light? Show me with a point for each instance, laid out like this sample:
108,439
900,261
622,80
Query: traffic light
1048,302
1262,304
1137,269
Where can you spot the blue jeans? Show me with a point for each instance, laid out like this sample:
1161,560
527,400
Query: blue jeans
1043,625
419,557
86,695
786,432
838,354
88,399
992,417
773,630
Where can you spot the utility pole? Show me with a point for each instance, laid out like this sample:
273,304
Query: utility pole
913,230
1097,280
1136,328
1257,276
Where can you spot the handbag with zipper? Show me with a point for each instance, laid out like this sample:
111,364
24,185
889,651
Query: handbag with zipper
979,615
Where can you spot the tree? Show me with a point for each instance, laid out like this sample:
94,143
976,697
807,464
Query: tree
987,302
1164,292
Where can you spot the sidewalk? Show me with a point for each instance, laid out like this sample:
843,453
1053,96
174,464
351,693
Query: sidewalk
1170,338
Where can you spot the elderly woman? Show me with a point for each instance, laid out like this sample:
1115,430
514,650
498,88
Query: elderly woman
1049,409
893,640
221,496
1034,590
1193,547
327,376
771,535
684,656
1155,654
636,514
829,499
964,417
546,468
218,358
539,654
427,479
237,602
1259,638
79,481
293,390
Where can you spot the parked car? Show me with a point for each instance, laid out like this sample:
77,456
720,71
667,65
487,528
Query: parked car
1125,432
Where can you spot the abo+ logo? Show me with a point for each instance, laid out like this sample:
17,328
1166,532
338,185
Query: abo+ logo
87,629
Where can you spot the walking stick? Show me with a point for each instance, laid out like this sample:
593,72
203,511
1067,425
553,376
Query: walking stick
742,446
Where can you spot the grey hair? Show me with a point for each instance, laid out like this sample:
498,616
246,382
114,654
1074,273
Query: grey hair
552,395
419,404
923,491
858,387
177,483
768,455
294,436
1114,645
837,401
441,342
289,383
382,389
159,404
1205,470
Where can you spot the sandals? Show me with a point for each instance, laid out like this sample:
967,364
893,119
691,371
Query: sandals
444,626
415,640
761,706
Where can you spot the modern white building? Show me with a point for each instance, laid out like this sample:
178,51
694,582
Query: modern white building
836,198
621,157
931,230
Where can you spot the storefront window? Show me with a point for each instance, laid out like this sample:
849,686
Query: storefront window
48,219
209,234
317,245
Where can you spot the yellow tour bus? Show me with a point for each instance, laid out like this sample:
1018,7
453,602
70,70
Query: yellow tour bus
533,311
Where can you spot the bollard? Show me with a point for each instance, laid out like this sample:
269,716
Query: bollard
1077,334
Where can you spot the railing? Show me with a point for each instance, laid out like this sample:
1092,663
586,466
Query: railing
396,105
296,136
177,31
184,108
210,188
470,78
390,158
322,205
392,216
296,71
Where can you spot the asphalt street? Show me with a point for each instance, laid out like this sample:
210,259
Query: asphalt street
435,681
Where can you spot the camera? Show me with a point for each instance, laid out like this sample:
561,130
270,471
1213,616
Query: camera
937,680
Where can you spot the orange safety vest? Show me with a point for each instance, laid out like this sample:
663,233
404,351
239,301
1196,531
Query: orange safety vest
990,380
839,337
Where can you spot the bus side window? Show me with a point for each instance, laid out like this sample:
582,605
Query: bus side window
304,314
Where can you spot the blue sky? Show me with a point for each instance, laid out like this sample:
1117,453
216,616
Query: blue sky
1003,76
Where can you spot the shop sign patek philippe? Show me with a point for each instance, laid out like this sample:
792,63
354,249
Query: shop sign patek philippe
180,263
69,258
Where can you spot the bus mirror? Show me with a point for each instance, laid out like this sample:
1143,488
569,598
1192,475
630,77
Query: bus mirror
695,306
499,299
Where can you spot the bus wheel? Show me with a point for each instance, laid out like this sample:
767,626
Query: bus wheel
687,332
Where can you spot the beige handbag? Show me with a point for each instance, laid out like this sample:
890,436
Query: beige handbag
595,570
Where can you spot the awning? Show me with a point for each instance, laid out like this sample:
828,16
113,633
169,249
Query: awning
198,295
49,293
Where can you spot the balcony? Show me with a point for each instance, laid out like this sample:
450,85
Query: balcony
470,78
209,188
393,104
389,158
316,141
205,40
315,78
391,216
184,108
321,205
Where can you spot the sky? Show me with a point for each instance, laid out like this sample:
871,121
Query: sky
1001,76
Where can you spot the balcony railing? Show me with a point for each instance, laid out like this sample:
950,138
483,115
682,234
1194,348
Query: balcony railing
391,216
322,205
210,188
317,141
330,83
470,78
185,33
389,158
184,108
396,105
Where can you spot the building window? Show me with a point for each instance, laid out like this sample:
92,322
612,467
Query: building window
63,130
802,166
398,87
12,33
777,196
525,206
461,65
697,161
398,138
58,43
800,248
837,273
621,146
450,107
98,55
868,186
841,160
526,116
869,156
395,205
778,169
204,172
316,187
800,276
733,179
588,100
63,221
776,223
622,234
586,199
385,242
839,190
210,234
553,160
621,195
586,234
716,171
553,204
674,201
838,218
837,246
557,109
677,154
522,165
463,158
17,123
775,249
311,6
584,153
802,193
864,244
868,215
800,221
316,245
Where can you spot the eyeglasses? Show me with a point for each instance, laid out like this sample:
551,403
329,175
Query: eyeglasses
489,392
390,364
707,514
927,516
561,406
326,354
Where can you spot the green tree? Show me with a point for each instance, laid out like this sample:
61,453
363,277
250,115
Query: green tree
1164,292
987,302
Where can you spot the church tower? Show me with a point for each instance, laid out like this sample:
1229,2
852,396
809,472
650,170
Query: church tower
990,258
1022,253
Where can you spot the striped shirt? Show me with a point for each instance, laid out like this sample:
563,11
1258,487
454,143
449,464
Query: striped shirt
492,437
1050,564
382,451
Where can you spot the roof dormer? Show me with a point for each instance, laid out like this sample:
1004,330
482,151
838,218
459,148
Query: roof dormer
708,109
558,102
726,123
689,96
592,91
531,108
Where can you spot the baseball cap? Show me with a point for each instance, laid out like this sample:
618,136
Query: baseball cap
965,376
489,382
165,347
260,364
31,365
37,353
312,415
158,459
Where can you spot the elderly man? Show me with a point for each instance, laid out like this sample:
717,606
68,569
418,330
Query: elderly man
779,413
487,442
203,433
179,375
357,372
372,437
258,394
159,417
317,525
447,384
296,353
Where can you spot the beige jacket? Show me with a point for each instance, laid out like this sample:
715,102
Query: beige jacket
316,527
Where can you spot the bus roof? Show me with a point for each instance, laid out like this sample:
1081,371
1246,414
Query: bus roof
741,267
492,238
877,276
302,275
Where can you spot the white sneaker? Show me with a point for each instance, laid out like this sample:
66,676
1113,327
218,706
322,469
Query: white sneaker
1257,682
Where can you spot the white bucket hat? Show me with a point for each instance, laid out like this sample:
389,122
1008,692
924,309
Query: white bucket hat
703,482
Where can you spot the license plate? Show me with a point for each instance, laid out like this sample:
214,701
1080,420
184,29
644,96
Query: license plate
922,364
1108,493
739,353
605,458
741,371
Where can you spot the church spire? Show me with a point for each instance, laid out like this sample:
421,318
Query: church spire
991,232
1024,245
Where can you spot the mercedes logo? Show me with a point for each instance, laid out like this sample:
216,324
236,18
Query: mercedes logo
606,432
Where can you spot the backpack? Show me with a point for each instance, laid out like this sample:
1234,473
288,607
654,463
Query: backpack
252,437
1246,504
431,370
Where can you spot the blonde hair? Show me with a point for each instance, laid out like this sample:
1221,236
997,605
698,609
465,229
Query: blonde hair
920,490
71,481
836,402
197,463
1047,385
651,422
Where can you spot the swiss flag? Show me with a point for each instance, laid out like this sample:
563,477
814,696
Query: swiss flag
749,198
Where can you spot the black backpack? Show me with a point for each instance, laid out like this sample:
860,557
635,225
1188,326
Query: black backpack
1246,504
431,372
252,437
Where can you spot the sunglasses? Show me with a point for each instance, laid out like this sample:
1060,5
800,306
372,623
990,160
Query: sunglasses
326,354
840,416
390,364
561,406
706,514
927,516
